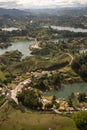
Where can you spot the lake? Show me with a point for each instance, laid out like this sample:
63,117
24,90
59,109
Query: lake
71,29
10,29
22,46
83,51
66,90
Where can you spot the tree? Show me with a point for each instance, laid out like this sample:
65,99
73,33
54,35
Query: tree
80,66
80,119
48,106
54,103
81,97
71,99
56,80
54,99
30,99
40,85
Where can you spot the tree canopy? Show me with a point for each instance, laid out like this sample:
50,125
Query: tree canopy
30,99
80,119
80,66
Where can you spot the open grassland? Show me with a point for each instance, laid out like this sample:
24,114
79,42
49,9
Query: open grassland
36,121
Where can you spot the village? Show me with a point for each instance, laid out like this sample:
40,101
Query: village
78,101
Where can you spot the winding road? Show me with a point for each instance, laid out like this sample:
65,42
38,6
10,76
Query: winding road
70,57
21,85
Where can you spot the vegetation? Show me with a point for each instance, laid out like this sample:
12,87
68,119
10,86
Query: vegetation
71,99
2,100
56,60
75,99
36,121
80,119
82,97
79,65
8,59
30,99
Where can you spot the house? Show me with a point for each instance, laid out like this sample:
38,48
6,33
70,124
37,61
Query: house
61,108
27,82
70,109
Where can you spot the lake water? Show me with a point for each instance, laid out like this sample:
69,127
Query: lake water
66,90
22,46
83,51
71,29
10,29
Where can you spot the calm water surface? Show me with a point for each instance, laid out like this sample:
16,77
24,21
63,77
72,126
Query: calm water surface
10,29
22,46
66,90
71,29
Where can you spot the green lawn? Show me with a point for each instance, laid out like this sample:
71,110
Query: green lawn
36,121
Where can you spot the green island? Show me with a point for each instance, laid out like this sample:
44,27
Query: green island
43,70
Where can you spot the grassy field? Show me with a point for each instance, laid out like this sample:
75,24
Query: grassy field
36,121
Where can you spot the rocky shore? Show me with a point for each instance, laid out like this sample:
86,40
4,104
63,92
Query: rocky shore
4,45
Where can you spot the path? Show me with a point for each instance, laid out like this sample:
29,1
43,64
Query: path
19,88
71,58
